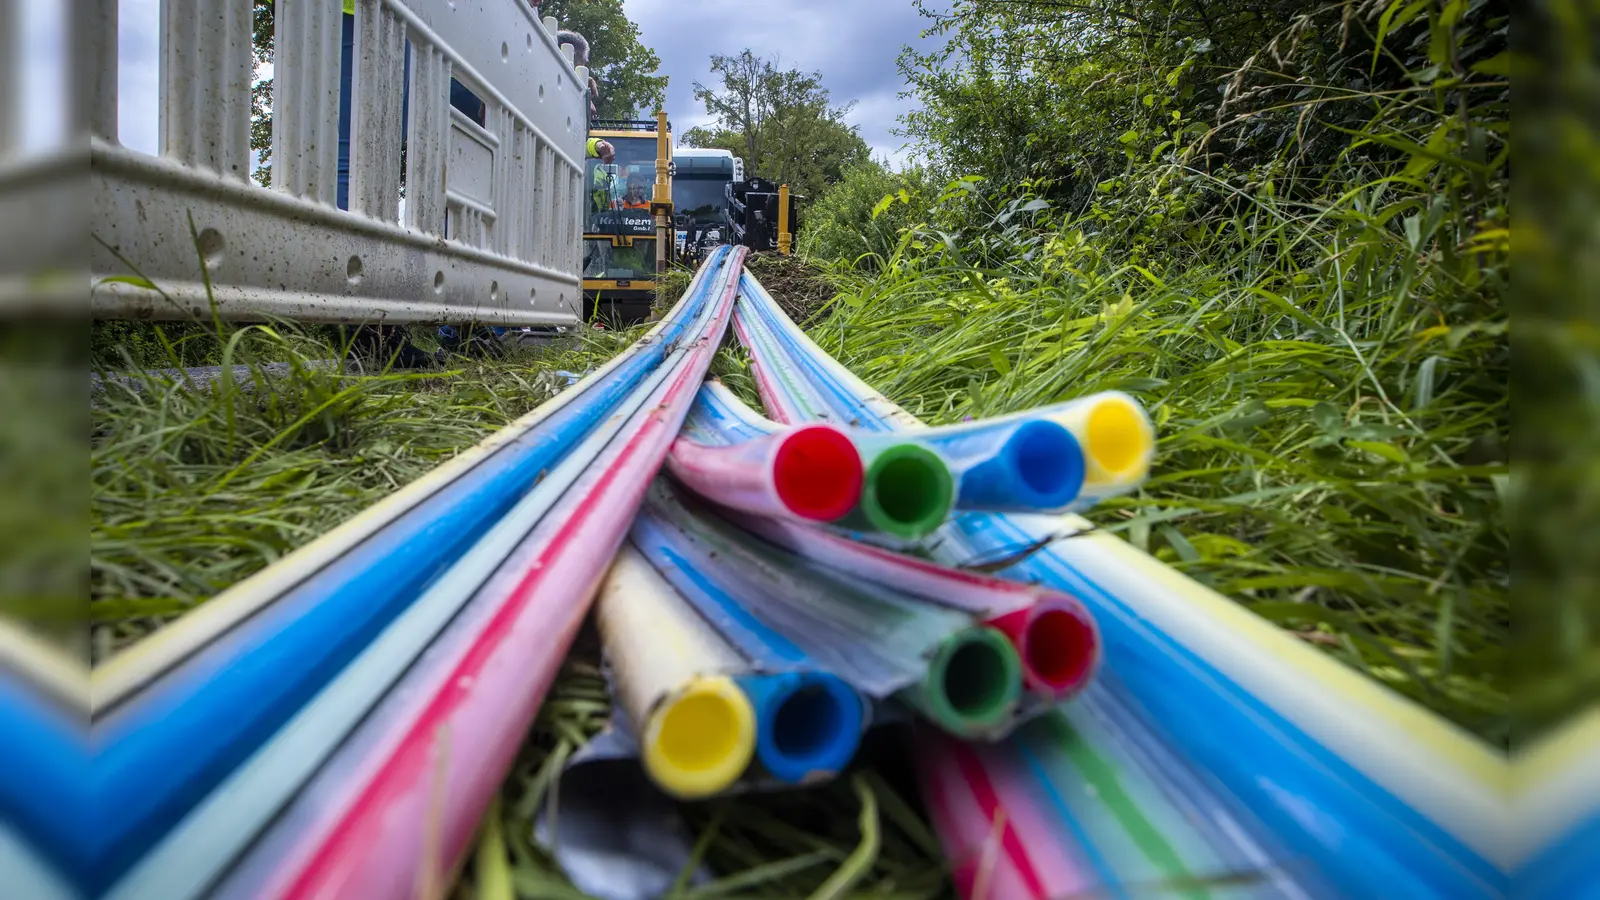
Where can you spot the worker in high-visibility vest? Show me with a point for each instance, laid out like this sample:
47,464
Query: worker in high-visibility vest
600,190
636,197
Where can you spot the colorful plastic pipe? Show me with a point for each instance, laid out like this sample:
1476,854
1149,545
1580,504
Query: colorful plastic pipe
905,490
161,754
807,722
1031,466
961,674
789,399
674,676
1306,735
1054,636
1555,827
810,472
1117,435
477,681
810,721
44,799
973,684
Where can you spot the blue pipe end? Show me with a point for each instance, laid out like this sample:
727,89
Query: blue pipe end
1039,467
808,724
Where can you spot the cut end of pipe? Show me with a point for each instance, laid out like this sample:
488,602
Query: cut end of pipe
973,684
701,739
1047,461
1119,438
1059,648
817,473
907,491
810,724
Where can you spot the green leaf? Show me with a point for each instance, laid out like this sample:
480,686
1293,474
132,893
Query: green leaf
1387,451
1425,380
999,361
1129,136
1499,64
1432,153
133,280
1394,17
1179,544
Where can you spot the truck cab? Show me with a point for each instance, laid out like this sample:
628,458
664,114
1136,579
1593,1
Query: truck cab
701,183
621,253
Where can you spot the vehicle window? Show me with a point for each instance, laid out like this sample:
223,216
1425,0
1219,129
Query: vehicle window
627,182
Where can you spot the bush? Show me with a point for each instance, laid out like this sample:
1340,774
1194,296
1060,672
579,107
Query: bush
860,220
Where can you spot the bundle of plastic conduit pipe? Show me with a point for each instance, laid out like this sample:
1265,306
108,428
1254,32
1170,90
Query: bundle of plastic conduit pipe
745,582
1213,752
279,740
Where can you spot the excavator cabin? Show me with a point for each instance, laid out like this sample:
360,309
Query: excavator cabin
627,234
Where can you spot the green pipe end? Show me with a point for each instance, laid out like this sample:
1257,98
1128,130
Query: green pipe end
973,685
907,491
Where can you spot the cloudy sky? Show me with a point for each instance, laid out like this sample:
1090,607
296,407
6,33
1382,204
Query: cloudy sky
853,43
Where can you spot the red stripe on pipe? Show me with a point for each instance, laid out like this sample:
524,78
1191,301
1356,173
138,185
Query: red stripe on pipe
778,408
365,853
989,802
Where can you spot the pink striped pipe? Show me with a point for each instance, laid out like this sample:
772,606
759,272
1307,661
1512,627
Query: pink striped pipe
416,802
810,472
999,845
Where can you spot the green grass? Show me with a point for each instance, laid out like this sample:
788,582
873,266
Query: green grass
192,492
1332,416
1332,419
1306,468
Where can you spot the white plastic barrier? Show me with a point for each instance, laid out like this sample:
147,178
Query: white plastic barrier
492,214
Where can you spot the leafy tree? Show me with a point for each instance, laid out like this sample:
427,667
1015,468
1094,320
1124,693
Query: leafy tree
1068,95
261,91
621,65
781,121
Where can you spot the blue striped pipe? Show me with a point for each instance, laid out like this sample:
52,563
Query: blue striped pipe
165,750
44,792
1029,466
229,817
808,724
1316,804
821,734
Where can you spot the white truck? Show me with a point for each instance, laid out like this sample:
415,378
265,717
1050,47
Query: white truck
701,181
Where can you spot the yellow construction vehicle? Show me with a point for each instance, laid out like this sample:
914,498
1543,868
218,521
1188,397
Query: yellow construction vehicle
628,233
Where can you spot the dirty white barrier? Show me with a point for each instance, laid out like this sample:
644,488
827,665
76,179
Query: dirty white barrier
492,214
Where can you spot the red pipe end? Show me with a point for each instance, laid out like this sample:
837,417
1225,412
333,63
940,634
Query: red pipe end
1058,643
817,472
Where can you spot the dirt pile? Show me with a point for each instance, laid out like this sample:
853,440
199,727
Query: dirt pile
799,287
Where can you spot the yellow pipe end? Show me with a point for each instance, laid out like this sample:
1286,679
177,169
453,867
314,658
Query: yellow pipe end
700,739
1119,440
